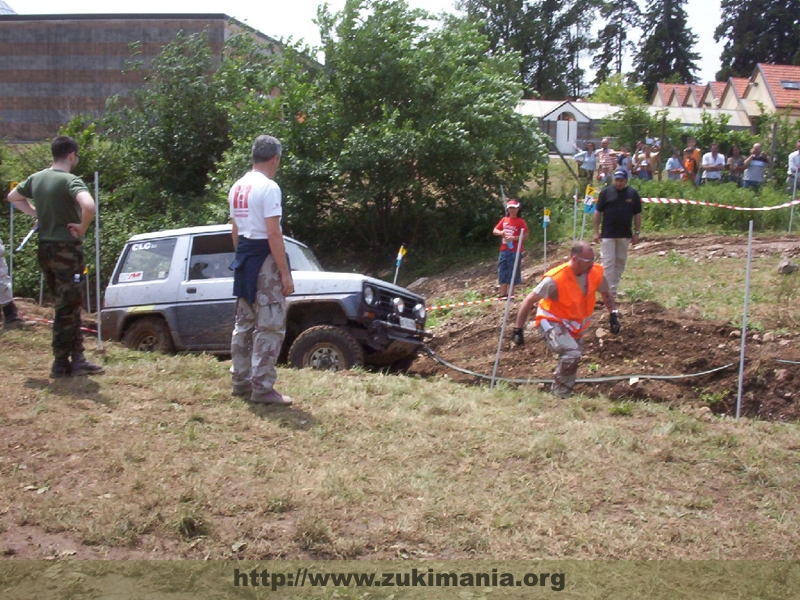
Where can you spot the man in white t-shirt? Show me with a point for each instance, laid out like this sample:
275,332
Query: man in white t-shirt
713,164
262,278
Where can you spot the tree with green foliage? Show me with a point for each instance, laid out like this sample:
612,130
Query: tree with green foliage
549,35
757,32
405,135
621,16
713,129
665,50
618,91
173,131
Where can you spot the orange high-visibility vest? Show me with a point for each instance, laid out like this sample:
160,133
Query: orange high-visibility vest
573,308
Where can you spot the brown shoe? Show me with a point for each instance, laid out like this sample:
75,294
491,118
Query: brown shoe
271,397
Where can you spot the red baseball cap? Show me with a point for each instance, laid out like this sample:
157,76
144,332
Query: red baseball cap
512,203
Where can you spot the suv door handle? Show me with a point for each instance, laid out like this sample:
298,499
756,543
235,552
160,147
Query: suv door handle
191,290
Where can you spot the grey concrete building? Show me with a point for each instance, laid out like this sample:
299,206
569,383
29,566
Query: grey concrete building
53,67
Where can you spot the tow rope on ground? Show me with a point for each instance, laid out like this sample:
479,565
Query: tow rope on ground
450,365
471,302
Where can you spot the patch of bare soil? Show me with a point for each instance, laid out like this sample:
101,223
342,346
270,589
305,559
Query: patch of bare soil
653,341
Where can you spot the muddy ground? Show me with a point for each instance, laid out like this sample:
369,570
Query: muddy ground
653,341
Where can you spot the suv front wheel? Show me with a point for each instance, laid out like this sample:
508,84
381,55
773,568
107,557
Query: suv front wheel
326,347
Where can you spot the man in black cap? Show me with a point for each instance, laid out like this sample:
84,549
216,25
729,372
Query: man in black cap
619,207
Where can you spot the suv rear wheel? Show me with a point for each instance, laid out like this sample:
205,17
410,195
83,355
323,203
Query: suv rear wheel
149,334
326,347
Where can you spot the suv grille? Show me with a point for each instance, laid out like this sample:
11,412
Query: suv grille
384,304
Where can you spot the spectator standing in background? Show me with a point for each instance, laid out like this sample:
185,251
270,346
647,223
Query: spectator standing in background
697,156
689,167
735,166
587,162
624,160
511,228
606,162
674,167
619,207
755,166
713,164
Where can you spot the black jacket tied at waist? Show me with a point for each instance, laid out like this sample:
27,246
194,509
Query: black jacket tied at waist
250,256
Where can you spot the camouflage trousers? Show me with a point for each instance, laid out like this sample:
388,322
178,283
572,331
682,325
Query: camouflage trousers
569,351
62,265
258,333
5,280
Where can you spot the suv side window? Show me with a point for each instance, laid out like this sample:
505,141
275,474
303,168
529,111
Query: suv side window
147,261
211,256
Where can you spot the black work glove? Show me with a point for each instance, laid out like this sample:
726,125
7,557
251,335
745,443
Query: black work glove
516,337
613,320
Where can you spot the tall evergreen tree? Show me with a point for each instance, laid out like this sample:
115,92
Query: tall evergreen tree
549,35
666,48
613,40
772,37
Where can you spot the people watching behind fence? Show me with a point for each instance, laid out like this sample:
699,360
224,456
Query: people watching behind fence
755,164
735,166
624,160
689,166
697,156
674,166
713,164
646,163
587,162
606,162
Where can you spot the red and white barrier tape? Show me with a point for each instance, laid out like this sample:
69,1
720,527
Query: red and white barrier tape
501,298
714,204
48,322
717,205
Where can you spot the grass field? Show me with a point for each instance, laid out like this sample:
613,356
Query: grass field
156,459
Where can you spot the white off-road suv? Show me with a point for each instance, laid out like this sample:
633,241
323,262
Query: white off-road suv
173,291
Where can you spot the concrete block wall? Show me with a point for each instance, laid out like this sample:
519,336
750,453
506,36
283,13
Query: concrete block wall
53,67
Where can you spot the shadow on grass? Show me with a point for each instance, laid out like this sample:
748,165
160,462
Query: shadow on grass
78,388
285,416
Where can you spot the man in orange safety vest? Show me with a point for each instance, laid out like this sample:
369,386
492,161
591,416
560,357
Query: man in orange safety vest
566,298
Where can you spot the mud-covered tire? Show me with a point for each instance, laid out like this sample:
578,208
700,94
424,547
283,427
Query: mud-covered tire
149,334
326,347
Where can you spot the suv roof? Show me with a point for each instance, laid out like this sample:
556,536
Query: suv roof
139,237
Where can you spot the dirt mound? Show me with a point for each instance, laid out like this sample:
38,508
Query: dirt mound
653,341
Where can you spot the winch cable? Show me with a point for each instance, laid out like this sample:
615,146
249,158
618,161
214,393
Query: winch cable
450,365
788,362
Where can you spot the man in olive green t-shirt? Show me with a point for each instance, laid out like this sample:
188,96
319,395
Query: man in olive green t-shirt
64,209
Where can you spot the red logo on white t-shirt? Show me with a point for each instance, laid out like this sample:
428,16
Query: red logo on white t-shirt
239,202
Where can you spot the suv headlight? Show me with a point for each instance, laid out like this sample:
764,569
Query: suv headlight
369,296
419,310
399,305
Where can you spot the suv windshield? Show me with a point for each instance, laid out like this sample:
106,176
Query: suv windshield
147,261
301,259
